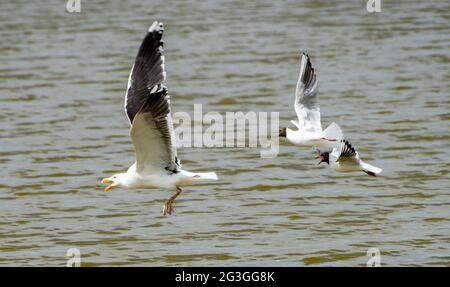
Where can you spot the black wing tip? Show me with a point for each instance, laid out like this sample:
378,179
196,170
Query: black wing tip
152,45
309,74
347,147
307,57
156,31
156,27
308,61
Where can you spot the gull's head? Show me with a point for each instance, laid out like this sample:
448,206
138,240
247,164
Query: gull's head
114,180
324,157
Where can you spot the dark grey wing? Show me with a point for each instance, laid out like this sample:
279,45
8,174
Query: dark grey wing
306,103
147,105
153,135
147,73
347,152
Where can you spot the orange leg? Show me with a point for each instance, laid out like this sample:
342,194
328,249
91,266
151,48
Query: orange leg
168,206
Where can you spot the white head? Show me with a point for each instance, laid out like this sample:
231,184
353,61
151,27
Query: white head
117,179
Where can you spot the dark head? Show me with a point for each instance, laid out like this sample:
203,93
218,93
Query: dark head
282,132
324,157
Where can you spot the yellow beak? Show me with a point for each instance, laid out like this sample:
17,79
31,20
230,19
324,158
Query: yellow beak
105,180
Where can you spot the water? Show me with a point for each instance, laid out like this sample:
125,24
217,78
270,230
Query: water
383,77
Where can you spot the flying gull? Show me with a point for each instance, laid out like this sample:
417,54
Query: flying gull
346,159
147,105
309,128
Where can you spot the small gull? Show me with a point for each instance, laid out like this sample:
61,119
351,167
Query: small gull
309,128
346,159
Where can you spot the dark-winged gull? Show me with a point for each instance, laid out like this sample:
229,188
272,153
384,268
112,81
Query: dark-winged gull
147,105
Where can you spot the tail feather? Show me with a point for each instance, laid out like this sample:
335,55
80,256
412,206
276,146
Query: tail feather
370,169
206,175
333,132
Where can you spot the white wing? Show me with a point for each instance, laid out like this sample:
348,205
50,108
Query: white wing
147,105
306,104
153,135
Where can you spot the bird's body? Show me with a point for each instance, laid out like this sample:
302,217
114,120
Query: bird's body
147,105
161,179
319,139
346,159
309,127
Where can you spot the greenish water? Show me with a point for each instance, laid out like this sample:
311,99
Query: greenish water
383,77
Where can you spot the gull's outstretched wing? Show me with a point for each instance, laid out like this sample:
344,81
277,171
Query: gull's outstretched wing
147,73
147,105
306,104
347,153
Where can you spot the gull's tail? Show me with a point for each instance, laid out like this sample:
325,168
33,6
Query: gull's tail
193,176
333,132
370,169
206,175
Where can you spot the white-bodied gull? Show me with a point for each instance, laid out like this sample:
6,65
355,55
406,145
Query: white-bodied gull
147,106
346,159
309,127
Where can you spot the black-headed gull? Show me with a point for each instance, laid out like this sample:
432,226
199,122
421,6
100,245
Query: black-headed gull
309,128
147,106
346,159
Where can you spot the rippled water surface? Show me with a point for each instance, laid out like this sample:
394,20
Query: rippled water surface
384,77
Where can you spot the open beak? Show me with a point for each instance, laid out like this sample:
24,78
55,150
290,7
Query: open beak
107,179
319,156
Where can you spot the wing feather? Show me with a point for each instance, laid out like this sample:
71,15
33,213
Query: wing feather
306,103
347,152
147,105
153,135
148,72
